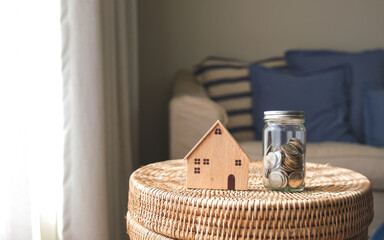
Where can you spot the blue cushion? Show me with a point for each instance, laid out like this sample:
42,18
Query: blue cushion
367,72
379,233
322,95
227,83
374,117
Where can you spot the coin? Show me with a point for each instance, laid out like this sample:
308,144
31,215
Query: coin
290,150
276,179
285,179
293,162
270,160
269,148
286,166
267,172
295,140
278,157
298,147
295,179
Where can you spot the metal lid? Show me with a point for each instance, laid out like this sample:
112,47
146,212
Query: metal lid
288,114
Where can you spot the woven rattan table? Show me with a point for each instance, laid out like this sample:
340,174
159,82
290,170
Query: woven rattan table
336,204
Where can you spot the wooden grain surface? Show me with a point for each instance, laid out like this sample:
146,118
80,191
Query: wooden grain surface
228,164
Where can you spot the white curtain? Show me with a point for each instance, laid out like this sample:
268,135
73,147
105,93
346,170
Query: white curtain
31,136
100,100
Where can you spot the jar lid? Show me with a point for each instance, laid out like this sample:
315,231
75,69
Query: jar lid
288,114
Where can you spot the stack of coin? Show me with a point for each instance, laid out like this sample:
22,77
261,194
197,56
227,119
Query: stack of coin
284,167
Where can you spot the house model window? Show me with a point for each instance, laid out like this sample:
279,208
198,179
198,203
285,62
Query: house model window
218,131
206,161
197,170
197,161
238,162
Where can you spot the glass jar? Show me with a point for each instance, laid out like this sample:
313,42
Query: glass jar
284,140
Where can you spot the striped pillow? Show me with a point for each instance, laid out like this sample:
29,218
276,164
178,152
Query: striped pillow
227,82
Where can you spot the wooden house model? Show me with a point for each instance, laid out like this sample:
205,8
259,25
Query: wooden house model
217,162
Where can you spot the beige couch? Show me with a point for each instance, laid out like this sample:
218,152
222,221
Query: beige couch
192,113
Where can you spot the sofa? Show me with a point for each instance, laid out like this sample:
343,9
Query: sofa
192,112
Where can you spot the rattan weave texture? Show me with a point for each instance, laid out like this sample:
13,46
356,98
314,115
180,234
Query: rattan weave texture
336,204
138,232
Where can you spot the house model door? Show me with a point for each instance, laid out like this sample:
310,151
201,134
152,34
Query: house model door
231,182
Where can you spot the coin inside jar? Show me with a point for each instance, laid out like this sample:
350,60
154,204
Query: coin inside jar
295,140
276,179
295,179
283,165
299,148
290,149
267,171
270,160
269,149
279,157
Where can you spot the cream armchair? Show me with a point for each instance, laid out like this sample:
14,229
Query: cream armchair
192,113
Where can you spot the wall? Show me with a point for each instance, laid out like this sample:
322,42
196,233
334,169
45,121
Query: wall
175,34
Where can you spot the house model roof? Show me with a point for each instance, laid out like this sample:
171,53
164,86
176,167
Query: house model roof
225,133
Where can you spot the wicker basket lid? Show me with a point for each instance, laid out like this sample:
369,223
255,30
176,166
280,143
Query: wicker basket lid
336,204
